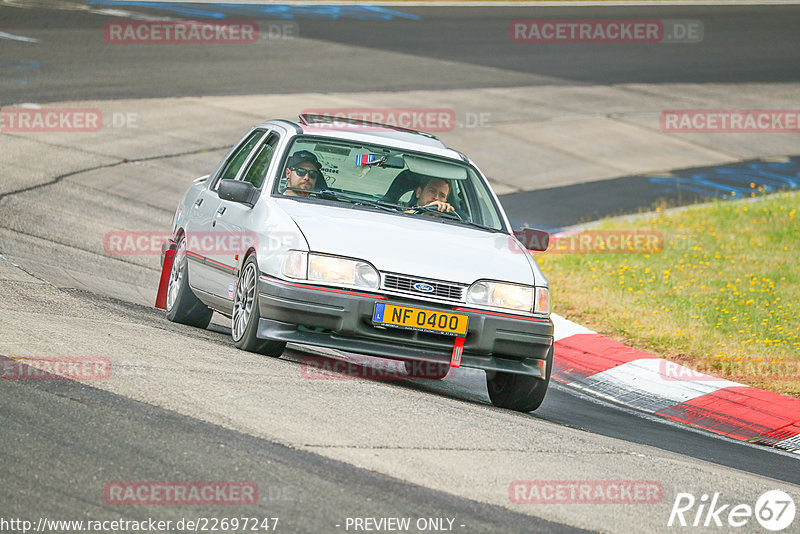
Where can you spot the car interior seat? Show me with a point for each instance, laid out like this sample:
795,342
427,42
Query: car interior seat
404,182
321,184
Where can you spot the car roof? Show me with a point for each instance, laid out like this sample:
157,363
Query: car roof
374,133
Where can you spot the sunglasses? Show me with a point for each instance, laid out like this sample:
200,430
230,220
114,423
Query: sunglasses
301,172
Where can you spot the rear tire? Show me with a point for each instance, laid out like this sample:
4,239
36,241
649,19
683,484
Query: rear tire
523,393
245,316
182,305
427,370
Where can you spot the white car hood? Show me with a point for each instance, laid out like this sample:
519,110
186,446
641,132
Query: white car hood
411,244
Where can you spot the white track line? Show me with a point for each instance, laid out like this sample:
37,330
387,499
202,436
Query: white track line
12,37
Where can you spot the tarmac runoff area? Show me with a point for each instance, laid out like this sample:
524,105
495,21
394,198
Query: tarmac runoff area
61,193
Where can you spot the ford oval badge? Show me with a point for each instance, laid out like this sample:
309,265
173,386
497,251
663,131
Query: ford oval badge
425,288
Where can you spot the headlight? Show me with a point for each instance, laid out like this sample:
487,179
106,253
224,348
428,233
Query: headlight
542,301
499,295
341,271
295,265
319,268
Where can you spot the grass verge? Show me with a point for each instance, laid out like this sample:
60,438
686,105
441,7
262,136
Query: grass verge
722,296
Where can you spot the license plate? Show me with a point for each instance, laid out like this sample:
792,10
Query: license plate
451,324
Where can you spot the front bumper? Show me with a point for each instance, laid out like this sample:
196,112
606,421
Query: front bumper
342,319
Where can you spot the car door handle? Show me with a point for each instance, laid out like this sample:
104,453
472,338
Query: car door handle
198,202
221,210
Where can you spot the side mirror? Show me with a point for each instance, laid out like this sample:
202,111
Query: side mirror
533,239
237,191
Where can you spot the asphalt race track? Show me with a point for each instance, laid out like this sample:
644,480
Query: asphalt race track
184,405
742,44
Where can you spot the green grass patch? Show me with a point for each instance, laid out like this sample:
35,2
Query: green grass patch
721,297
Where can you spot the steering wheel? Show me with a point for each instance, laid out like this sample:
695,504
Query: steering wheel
434,210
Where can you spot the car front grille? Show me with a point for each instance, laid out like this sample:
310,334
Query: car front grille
405,284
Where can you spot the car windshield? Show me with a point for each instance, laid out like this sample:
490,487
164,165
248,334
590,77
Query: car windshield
388,179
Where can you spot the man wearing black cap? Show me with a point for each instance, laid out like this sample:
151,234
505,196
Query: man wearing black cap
302,173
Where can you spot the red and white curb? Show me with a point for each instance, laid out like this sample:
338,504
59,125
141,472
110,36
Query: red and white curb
596,364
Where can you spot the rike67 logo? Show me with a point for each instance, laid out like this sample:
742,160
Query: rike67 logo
774,510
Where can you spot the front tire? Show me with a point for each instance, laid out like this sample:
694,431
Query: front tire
245,316
182,305
522,393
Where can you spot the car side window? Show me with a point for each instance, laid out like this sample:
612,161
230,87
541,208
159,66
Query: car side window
260,163
239,156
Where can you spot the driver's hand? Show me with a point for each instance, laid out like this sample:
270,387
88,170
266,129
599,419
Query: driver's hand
441,205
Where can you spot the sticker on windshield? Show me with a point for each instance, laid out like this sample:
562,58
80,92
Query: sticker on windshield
362,160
